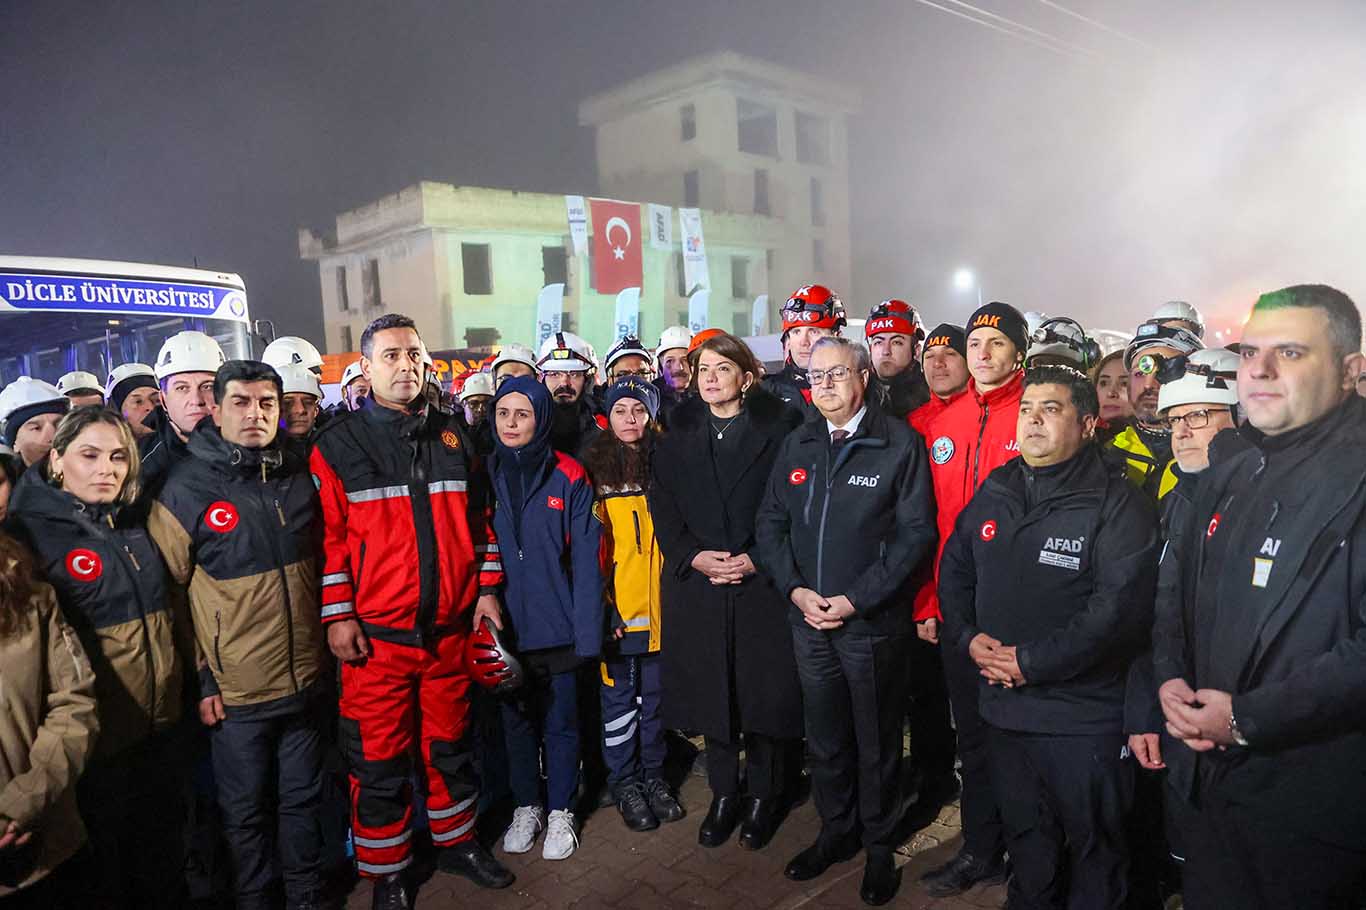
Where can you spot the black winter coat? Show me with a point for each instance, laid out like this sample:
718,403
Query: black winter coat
728,664
901,394
1060,562
857,521
1275,613
791,385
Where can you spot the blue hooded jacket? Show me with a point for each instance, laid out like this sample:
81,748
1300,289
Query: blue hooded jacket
548,536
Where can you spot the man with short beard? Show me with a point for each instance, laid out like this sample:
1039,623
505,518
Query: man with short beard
673,369
568,368
1146,443
185,368
894,331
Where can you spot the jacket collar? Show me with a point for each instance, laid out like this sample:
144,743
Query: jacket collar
34,495
208,445
1012,390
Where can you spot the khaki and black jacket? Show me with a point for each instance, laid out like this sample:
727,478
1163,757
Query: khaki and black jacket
48,728
112,587
240,527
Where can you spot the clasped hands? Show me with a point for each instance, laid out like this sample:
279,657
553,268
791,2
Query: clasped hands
997,662
823,613
723,568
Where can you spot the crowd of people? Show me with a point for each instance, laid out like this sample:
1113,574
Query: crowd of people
1120,598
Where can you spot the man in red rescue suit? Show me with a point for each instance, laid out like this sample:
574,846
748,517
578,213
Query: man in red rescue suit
811,313
410,566
968,440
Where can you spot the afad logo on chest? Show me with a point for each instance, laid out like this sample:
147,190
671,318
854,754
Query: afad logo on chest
1062,552
221,516
84,565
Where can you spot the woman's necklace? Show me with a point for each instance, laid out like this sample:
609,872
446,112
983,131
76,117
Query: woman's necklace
721,431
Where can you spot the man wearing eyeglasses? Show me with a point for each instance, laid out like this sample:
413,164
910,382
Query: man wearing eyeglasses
846,526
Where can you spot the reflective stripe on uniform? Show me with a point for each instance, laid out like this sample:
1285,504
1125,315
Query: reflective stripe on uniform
452,835
446,486
453,810
336,578
376,843
345,606
395,492
638,622
384,868
619,722
625,737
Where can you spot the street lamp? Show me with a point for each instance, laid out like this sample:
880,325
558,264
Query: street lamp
965,280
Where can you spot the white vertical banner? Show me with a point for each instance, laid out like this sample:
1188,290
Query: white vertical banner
694,250
549,313
577,210
628,313
758,316
699,306
661,227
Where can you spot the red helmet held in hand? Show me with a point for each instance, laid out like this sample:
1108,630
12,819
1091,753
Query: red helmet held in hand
490,662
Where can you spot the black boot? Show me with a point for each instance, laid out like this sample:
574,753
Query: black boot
634,807
720,822
470,859
881,878
758,822
815,859
962,872
391,893
662,802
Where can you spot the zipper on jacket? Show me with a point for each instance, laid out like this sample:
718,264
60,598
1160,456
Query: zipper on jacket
635,518
146,642
289,603
977,451
217,634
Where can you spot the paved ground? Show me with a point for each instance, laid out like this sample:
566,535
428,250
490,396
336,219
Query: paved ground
666,868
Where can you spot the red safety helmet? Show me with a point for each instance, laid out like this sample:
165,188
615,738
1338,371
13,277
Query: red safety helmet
895,316
490,662
702,338
813,305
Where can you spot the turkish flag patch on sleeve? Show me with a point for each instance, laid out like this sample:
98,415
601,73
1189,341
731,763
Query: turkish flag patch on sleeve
555,503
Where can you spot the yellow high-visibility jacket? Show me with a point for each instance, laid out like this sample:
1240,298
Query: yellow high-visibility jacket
632,564
1142,466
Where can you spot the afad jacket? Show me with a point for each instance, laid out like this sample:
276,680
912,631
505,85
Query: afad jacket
112,586
239,528
551,545
48,728
408,544
632,565
969,439
1060,562
1144,469
857,519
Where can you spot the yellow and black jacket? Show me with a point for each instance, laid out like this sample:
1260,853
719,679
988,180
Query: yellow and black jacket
240,527
112,587
632,563
1144,469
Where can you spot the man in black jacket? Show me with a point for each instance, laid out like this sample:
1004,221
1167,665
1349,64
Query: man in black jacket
895,332
1047,584
847,520
1260,645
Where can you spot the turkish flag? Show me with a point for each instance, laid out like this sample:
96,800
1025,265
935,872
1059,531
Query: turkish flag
616,245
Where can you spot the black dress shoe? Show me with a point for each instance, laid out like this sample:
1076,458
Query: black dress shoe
470,859
391,893
962,872
881,878
720,822
815,859
758,822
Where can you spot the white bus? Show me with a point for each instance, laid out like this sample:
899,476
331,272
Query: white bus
58,315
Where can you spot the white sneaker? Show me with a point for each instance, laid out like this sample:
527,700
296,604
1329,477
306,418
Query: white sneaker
561,840
527,822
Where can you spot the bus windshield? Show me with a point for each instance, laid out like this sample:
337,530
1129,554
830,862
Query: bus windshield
59,315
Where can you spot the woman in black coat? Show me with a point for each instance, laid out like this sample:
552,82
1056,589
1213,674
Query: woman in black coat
728,666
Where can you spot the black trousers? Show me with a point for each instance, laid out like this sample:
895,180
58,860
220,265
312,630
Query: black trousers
766,765
132,805
269,777
1244,856
1064,802
982,835
933,742
854,698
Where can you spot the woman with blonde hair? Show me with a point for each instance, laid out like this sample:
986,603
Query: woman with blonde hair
47,729
72,511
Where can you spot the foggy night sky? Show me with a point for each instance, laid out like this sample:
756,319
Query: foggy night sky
1228,159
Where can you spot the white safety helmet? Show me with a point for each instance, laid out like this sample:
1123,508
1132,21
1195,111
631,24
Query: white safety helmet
1174,310
514,353
625,348
1064,338
477,384
126,371
675,336
27,397
291,349
298,378
567,352
1034,319
351,374
79,381
1156,335
1211,377
188,352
